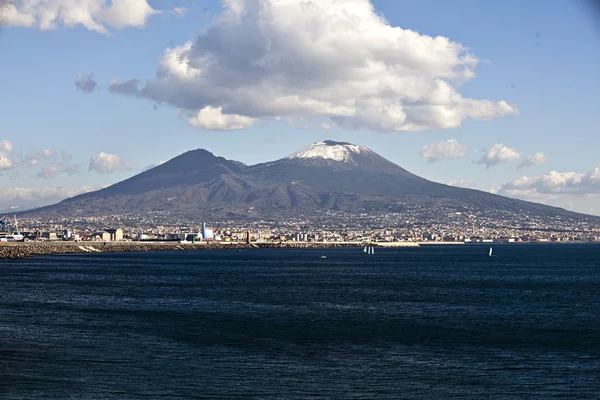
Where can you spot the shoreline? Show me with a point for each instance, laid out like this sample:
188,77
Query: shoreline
18,250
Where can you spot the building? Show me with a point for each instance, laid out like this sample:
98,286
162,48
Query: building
207,233
107,235
115,234
49,236
99,235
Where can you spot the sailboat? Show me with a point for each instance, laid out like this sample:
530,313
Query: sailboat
490,252
365,249
372,250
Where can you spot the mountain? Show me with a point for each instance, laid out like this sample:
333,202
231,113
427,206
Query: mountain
324,176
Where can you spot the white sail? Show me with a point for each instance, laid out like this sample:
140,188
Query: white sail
372,250
490,251
365,249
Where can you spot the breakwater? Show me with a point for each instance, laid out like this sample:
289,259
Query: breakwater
29,249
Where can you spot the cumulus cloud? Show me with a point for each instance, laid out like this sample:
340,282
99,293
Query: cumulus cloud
498,154
535,159
6,163
6,147
443,150
105,163
51,163
94,15
556,182
86,82
213,119
335,59
571,190
27,198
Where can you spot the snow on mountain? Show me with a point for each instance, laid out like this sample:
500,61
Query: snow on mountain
341,156
330,150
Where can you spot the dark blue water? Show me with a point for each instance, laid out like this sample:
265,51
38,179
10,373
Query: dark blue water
427,323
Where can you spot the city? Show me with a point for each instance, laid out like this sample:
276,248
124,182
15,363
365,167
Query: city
417,225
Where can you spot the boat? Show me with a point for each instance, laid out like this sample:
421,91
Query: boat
365,249
323,256
15,236
490,252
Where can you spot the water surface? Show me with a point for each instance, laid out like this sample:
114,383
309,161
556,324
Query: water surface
433,322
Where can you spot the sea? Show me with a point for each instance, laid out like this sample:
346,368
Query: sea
435,322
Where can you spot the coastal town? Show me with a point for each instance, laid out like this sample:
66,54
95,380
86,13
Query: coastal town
469,226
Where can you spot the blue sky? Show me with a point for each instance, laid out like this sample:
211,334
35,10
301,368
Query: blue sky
540,57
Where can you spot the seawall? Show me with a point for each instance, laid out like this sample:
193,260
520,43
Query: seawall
29,249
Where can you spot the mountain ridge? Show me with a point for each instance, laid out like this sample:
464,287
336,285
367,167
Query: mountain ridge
326,175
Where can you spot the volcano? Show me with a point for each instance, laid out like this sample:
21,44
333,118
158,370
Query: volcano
326,175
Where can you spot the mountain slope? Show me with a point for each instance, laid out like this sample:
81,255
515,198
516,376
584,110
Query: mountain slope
327,175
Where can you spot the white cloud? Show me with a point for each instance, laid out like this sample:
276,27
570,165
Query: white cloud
557,182
6,147
86,82
443,150
498,154
571,190
27,198
213,119
50,163
149,167
36,158
53,171
535,159
6,163
95,15
105,163
334,59
179,11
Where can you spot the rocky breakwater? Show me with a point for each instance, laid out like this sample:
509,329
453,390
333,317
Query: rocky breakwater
29,249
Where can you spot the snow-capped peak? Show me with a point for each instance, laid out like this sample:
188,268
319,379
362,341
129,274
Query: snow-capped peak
330,150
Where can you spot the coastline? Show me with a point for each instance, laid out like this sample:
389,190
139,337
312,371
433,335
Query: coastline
29,249
17,250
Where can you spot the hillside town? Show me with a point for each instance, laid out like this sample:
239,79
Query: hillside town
329,226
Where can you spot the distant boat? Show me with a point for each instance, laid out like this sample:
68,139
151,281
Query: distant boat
365,249
372,250
490,252
369,250
323,256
